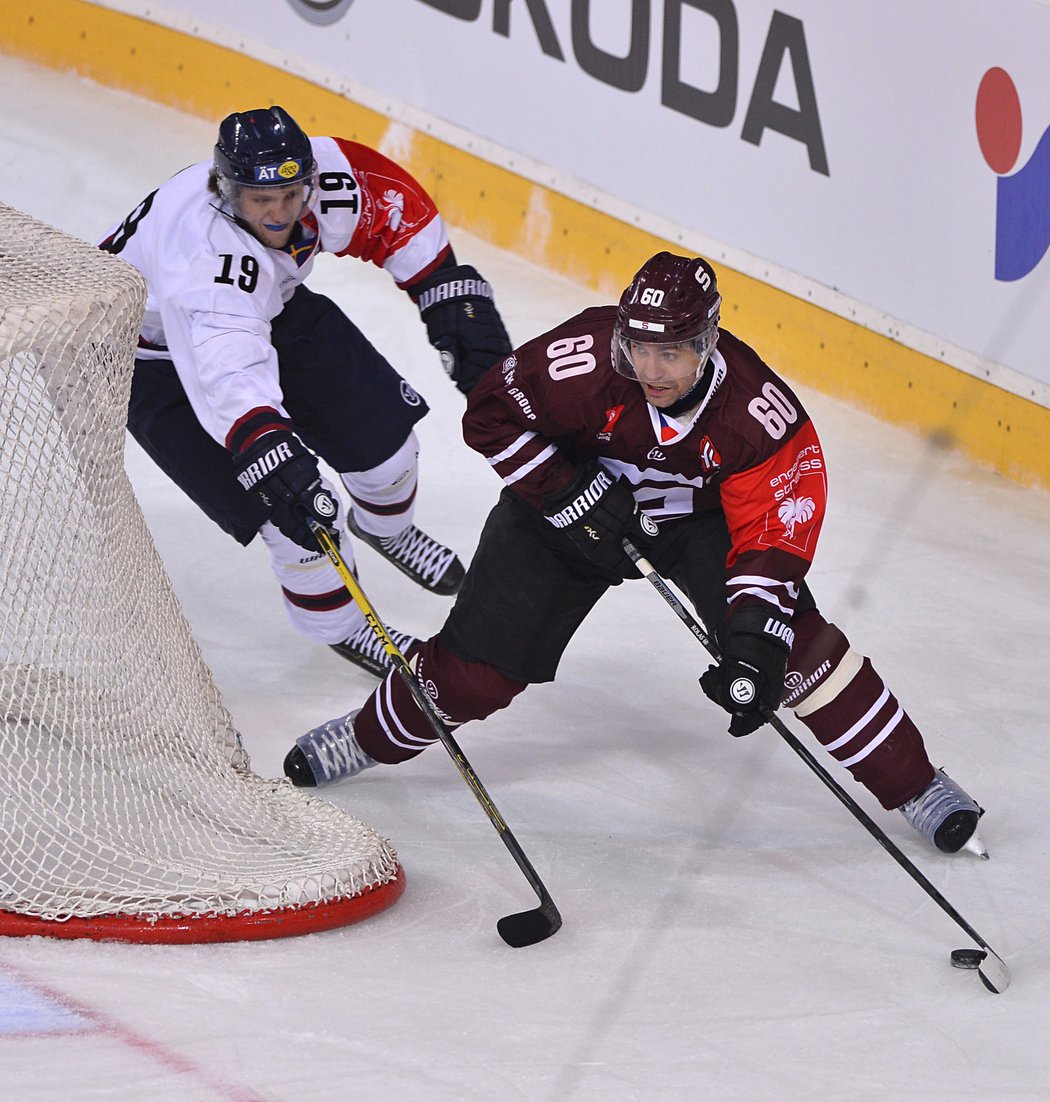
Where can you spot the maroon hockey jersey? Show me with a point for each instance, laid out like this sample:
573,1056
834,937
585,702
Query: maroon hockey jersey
749,450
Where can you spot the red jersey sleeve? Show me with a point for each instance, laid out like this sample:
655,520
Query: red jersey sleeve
398,227
774,512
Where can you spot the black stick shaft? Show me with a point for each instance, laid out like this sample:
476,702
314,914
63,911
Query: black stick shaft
517,930
778,725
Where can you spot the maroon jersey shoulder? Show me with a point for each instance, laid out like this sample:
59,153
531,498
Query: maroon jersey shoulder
568,371
533,415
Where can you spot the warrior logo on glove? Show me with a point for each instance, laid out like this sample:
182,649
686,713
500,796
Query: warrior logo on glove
742,691
576,508
324,505
266,463
595,512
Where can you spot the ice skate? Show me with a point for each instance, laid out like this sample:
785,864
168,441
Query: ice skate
327,753
428,563
945,815
365,649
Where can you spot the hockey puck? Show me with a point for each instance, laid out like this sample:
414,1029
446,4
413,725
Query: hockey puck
968,958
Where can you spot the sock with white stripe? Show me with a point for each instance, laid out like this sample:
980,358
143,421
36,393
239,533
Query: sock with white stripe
391,727
844,701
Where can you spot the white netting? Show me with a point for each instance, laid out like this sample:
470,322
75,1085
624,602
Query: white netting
123,785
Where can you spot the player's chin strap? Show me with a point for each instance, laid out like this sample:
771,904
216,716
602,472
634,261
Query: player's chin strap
993,971
517,930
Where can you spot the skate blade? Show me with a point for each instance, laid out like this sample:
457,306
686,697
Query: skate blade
976,846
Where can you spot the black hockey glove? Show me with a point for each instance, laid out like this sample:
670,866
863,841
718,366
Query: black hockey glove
750,677
280,469
595,513
462,322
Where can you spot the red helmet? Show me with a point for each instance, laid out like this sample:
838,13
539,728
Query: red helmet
671,300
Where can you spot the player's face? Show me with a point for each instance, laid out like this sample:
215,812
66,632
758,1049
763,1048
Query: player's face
664,371
271,212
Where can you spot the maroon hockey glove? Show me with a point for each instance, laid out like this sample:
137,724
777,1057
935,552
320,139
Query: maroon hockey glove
462,322
595,513
749,680
279,468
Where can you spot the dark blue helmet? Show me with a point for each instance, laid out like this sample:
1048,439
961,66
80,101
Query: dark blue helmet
262,148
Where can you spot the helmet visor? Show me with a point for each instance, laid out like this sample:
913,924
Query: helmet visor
292,198
662,362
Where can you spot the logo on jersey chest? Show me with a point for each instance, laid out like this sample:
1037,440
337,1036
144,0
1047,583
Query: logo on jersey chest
611,417
710,460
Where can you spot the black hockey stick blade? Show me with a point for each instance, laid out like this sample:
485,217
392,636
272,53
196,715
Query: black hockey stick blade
529,927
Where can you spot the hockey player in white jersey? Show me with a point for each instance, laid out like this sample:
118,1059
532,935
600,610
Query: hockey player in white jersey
244,376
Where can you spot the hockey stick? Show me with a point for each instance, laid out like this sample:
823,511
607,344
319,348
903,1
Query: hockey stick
517,930
993,972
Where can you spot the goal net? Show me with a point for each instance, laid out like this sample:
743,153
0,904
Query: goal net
128,807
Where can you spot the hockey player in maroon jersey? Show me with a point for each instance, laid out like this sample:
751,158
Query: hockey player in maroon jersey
243,375
648,421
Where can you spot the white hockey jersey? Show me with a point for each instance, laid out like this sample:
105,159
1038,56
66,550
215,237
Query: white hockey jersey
213,288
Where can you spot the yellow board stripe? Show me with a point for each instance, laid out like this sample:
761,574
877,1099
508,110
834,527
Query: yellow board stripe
807,343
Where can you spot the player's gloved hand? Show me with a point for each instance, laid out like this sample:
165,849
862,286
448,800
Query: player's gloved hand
462,322
750,677
279,468
595,512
